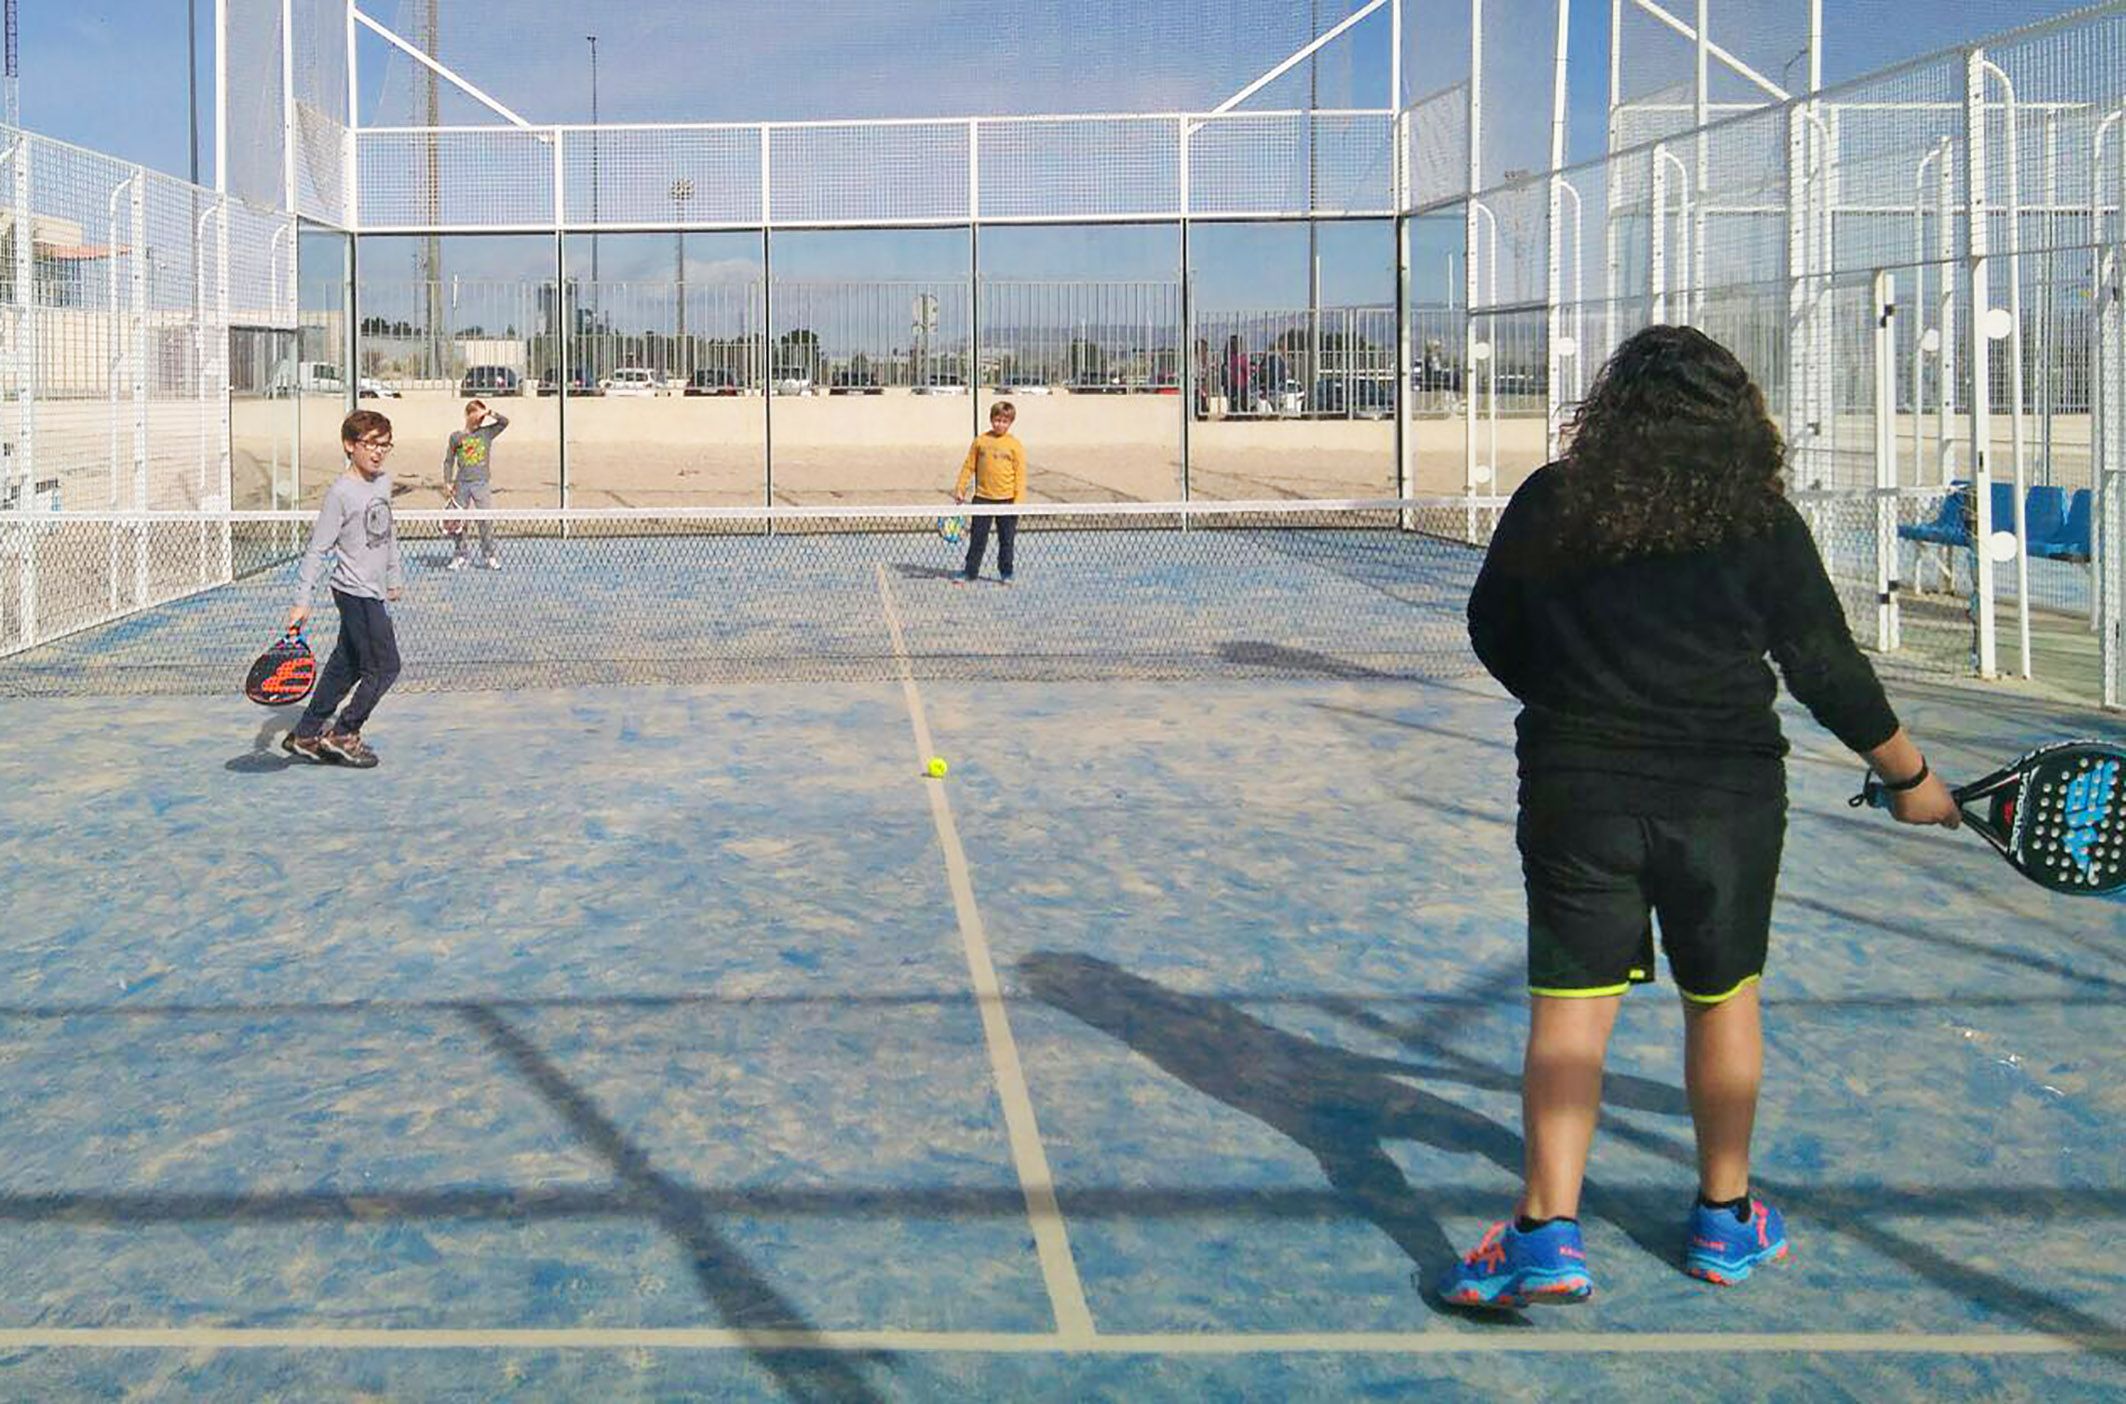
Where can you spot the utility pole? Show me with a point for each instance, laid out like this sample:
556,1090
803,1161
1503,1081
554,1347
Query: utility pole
432,242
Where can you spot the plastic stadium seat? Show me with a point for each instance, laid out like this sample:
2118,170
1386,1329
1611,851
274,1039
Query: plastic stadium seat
2072,539
2044,514
1947,528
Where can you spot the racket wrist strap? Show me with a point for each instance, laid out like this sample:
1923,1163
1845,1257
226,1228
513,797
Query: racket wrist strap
1898,787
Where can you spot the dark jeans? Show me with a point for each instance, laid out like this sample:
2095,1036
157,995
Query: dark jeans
978,538
365,661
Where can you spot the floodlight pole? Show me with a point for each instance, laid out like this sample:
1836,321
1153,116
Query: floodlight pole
593,41
682,191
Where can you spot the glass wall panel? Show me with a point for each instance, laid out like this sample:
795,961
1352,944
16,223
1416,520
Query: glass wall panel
1081,331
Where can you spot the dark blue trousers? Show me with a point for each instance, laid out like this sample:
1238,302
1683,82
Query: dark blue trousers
978,538
365,663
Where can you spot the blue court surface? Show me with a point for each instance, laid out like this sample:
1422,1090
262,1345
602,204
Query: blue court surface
682,1040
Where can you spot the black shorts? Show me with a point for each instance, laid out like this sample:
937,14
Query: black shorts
1596,881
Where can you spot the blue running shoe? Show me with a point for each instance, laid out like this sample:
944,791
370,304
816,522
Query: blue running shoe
1511,1269
1725,1249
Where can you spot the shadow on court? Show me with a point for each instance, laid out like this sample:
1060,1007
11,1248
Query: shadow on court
1342,1107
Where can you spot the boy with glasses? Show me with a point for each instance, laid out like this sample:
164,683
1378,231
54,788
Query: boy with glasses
354,527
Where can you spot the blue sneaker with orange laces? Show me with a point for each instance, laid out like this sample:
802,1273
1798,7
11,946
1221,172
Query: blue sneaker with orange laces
1511,1269
1725,1249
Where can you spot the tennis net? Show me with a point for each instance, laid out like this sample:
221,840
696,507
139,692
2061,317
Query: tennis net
140,603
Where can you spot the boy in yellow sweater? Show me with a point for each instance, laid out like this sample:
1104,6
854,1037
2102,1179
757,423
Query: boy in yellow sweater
996,466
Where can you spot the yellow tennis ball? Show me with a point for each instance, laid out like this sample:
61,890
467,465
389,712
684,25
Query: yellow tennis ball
937,767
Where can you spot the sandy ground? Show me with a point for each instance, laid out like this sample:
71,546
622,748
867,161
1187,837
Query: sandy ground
674,451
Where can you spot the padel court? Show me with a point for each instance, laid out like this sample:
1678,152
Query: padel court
682,1039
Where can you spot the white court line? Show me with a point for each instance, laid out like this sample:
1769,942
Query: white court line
706,1338
1066,1294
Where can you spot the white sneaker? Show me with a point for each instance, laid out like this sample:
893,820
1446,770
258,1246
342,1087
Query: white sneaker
457,563
490,564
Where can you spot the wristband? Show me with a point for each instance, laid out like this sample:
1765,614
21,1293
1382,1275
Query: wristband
1898,787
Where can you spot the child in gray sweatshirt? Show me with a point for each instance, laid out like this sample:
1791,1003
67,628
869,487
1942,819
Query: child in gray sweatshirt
354,528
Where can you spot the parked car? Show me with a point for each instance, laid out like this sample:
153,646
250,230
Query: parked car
793,380
579,384
490,380
632,381
1024,385
1093,383
1359,397
712,380
854,382
307,378
374,389
942,383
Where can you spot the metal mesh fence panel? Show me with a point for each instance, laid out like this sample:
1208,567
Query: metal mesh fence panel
121,335
254,126
1436,148
1370,589
1080,168
1250,590
856,173
678,175
467,177
324,188
1286,163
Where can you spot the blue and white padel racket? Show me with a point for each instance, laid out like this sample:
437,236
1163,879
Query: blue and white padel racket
952,530
2058,815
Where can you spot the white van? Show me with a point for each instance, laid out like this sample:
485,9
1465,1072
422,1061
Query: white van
633,380
308,378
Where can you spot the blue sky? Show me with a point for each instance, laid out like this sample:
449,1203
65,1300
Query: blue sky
110,74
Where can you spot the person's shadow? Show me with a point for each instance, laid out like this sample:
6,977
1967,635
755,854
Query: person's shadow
1339,1105
264,757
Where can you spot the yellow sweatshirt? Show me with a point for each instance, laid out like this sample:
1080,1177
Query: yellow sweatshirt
997,465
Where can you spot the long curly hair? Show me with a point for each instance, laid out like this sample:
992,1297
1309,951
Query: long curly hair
1672,451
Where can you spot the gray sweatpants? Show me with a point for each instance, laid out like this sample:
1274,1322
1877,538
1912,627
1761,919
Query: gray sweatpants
480,495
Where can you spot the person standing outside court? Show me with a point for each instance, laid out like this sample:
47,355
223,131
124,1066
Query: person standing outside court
468,478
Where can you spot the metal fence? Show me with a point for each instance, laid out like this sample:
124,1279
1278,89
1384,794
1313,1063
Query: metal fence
143,319
1921,267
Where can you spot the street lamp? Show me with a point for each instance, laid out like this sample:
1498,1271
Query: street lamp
682,191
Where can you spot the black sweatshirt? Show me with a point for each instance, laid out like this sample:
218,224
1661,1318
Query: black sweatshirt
1644,684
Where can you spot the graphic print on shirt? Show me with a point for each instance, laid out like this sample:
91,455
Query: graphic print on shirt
376,521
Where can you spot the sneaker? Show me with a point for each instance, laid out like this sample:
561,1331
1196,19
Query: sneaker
490,564
962,579
1725,1249
303,747
1003,580
1512,1269
348,748
457,563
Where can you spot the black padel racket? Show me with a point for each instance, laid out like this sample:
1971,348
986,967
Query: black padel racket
2058,815
284,673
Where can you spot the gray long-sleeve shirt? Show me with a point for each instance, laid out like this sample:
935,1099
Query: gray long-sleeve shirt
354,527
469,456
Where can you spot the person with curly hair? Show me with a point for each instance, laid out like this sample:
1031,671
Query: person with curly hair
1630,598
